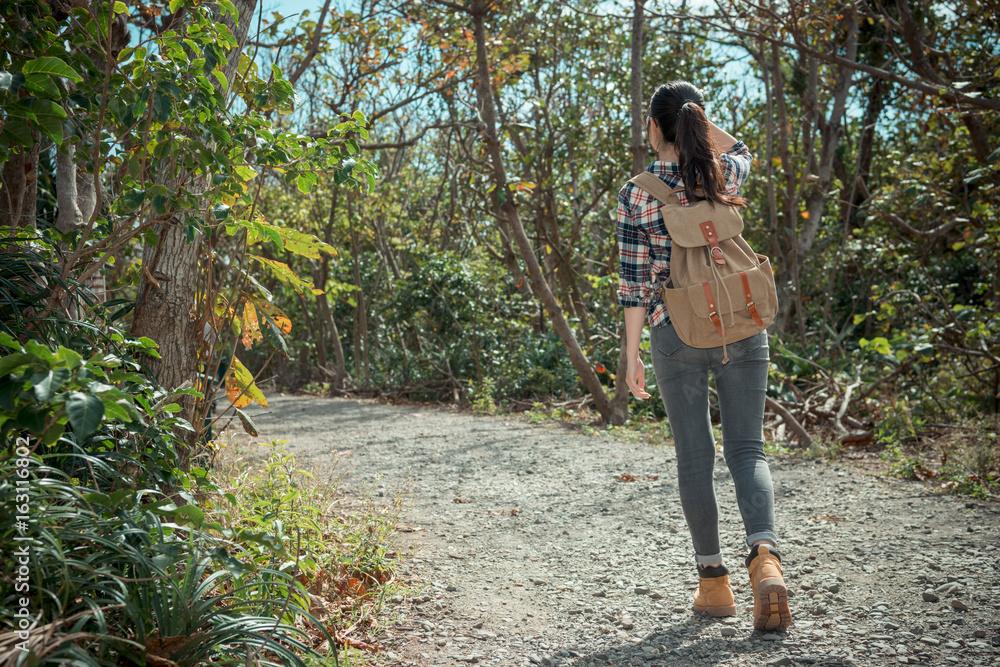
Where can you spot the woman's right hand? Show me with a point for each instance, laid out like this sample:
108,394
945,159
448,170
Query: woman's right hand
636,378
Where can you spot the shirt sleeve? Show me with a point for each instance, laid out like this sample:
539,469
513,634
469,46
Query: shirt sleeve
635,284
736,166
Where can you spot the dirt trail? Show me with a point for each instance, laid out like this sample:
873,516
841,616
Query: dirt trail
532,550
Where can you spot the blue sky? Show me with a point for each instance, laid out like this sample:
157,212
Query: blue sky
289,7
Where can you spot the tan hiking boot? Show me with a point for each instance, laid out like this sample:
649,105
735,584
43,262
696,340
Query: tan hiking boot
770,596
715,593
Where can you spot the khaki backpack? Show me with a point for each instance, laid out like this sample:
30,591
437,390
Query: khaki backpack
719,290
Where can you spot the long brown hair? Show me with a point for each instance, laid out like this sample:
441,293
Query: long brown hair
678,108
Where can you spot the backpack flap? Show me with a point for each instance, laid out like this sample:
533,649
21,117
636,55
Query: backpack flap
743,303
731,297
685,223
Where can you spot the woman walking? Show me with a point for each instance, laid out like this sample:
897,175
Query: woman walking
711,165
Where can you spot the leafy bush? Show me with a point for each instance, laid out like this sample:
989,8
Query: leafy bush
125,572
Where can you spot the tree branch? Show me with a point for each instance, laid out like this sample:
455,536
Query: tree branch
800,432
313,47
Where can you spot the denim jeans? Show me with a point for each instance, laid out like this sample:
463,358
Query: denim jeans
682,376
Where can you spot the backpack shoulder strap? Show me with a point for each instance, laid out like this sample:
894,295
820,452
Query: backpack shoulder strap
656,187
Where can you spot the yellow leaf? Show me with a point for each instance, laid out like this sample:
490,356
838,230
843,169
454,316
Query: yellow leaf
274,313
240,387
282,272
251,327
304,244
245,172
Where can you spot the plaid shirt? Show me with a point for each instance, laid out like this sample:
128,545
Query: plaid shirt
643,241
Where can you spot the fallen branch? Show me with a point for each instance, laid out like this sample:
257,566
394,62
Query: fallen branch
803,437
843,407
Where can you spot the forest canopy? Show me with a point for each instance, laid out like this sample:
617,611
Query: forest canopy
416,200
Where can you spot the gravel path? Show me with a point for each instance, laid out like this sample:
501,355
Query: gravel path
532,550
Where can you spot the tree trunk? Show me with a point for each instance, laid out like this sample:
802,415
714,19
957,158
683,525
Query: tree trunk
507,210
784,255
361,312
166,306
19,188
619,405
340,368
831,131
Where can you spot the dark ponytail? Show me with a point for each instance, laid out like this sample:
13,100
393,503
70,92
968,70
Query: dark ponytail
679,111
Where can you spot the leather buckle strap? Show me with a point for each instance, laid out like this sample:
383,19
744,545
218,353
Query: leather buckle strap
751,306
713,312
712,239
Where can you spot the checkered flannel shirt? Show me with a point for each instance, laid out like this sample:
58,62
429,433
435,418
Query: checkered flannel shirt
643,241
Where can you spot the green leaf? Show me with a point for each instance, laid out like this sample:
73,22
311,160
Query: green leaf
50,383
343,174
71,358
41,84
85,413
41,351
228,7
306,181
132,200
272,336
304,245
53,433
190,512
221,211
159,203
175,5
12,362
31,418
114,410
102,499
49,117
9,341
235,566
162,105
51,66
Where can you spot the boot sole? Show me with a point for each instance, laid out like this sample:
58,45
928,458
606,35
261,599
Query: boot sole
771,611
716,611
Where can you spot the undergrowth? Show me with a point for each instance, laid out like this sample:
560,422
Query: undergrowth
336,547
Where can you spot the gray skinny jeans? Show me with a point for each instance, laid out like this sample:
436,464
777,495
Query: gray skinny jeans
682,376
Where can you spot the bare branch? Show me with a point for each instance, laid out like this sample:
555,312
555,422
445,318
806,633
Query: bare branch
800,432
313,47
